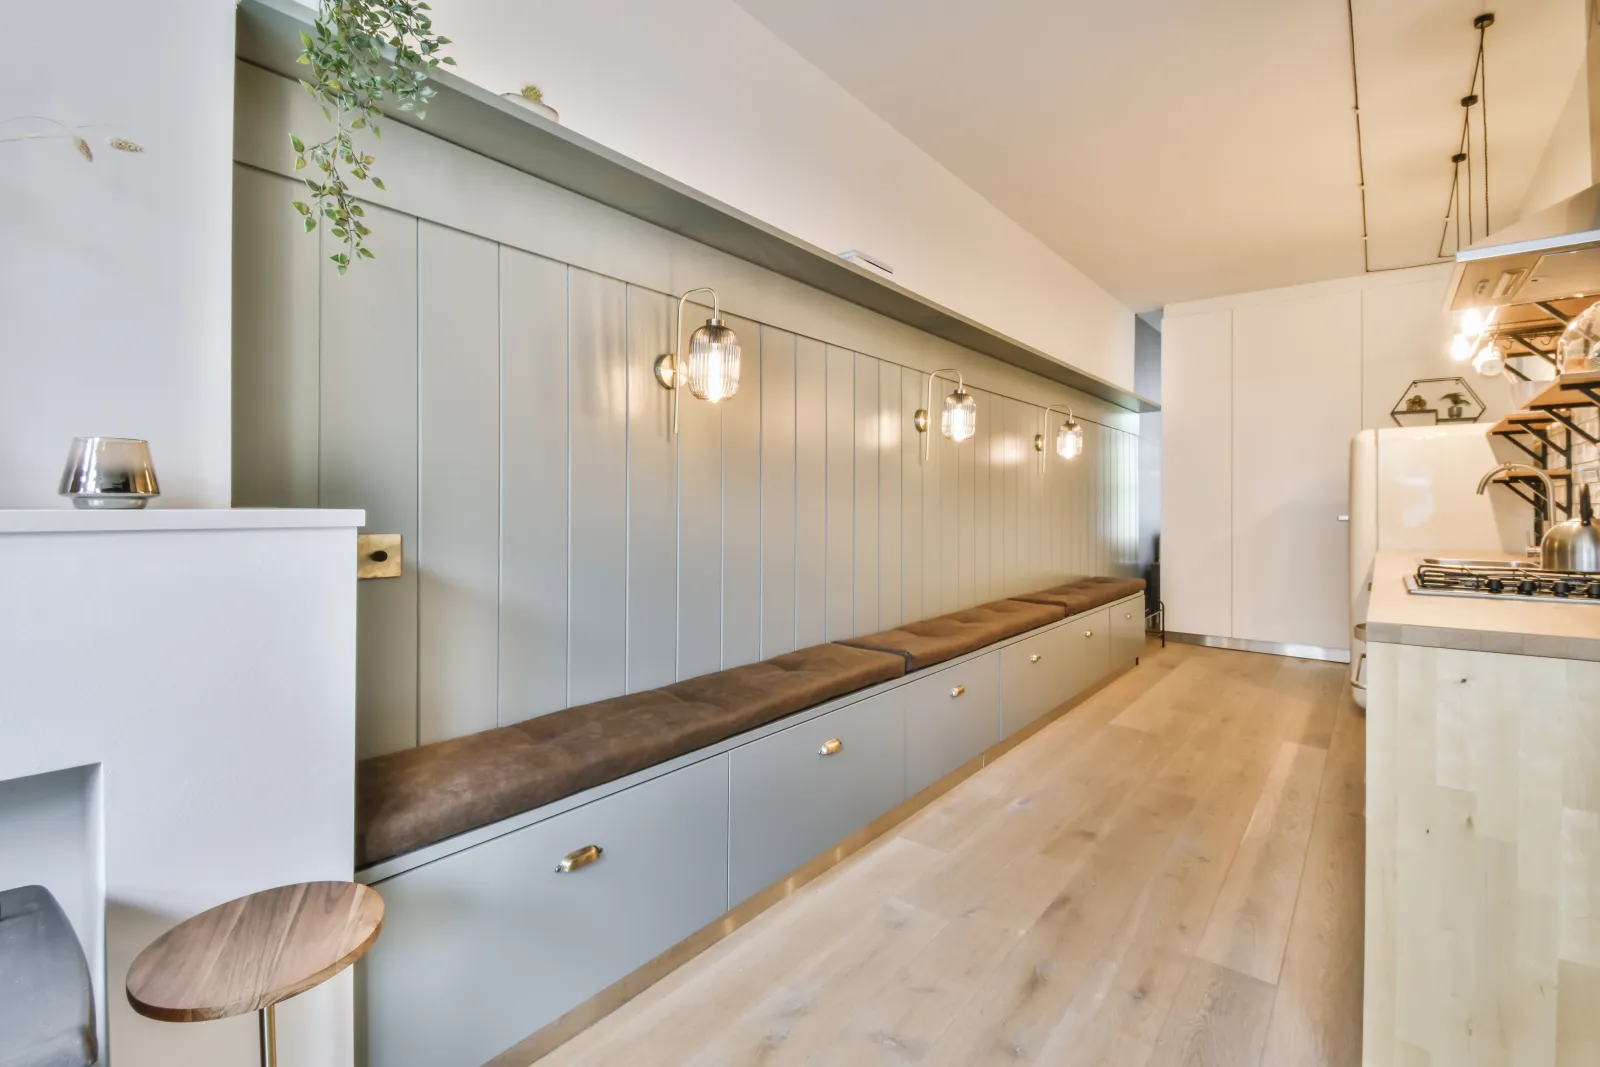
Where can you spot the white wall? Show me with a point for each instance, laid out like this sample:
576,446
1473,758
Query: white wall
115,288
703,92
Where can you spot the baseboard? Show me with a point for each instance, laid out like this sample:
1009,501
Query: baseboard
1271,648
555,1034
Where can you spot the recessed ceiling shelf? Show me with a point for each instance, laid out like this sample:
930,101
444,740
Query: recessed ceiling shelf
476,119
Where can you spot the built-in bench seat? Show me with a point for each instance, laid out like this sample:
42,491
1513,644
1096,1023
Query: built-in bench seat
409,799
932,641
417,796
1086,594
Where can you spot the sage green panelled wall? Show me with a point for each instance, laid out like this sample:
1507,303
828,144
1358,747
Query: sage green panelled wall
498,409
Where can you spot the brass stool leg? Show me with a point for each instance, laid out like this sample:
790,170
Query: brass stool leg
269,1035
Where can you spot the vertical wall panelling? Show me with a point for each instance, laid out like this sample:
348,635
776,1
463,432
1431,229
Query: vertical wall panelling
741,504
777,492
275,351
598,598
652,498
980,502
811,492
533,486
889,468
699,528
841,425
368,459
913,520
1007,410
994,444
950,523
933,509
967,520
866,496
458,459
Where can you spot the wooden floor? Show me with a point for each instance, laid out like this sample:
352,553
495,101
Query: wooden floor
1169,874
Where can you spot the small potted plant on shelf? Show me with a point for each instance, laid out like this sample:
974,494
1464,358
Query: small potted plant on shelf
532,98
1458,406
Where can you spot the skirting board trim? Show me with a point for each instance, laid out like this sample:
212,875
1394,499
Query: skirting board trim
1271,648
608,1000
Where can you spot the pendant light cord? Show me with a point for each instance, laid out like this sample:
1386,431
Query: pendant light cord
1477,96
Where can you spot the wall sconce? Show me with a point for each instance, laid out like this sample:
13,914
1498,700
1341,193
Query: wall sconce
712,370
1069,439
958,421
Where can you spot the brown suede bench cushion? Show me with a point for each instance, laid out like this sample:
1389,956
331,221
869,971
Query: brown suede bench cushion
1086,594
935,640
409,799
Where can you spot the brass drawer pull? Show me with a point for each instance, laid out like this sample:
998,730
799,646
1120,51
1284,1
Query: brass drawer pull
573,861
830,747
1127,615
958,690
1088,633
1035,658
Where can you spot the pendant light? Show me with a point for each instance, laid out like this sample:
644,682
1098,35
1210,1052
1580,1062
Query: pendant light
712,370
1069,438
959,419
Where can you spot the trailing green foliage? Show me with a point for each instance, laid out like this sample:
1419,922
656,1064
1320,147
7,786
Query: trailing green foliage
363,54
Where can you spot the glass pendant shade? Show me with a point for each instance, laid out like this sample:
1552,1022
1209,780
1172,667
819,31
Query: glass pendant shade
1069,440
1491,359
960,419
713,362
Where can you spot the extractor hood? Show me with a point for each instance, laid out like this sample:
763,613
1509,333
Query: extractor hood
1550,255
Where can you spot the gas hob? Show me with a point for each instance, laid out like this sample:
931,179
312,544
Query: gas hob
1503,582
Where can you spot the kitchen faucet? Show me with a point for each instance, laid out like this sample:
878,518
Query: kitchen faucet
1540,513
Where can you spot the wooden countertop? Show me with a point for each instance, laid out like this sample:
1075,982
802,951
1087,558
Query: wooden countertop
1476,624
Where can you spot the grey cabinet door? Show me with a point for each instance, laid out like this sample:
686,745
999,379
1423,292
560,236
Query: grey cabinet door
790,800
1127,633
951,715
1035,677
1090,655
484,947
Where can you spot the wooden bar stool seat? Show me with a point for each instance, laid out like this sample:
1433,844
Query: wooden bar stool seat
254,952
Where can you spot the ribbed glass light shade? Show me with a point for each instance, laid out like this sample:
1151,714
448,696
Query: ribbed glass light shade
960,418
1069,440
713,363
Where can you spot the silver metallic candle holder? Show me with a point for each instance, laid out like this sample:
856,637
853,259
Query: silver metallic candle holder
109,472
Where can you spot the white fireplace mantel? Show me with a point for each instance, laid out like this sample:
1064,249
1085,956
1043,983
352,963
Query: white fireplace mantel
202,664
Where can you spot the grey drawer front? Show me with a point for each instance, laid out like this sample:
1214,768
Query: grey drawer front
788,802
1090,638
483,947
1035,676
944,731
1127,633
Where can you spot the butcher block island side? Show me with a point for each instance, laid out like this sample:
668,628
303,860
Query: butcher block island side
1483,829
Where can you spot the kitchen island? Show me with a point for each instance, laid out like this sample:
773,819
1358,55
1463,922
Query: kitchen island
1483,829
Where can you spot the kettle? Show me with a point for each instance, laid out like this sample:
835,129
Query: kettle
1573,546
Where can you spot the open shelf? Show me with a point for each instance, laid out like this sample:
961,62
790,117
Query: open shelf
476,119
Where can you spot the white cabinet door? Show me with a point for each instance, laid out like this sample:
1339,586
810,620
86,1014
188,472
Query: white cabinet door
1296,404
1196,472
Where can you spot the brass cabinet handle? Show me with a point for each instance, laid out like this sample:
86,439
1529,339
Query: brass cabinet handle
958,690
830,747
579,859
1127,615
1035,658
1088,633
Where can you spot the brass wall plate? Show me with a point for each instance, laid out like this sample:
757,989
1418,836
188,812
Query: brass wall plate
378,555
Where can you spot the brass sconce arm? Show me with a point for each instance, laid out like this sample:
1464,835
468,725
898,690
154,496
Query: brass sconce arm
669,371
922,418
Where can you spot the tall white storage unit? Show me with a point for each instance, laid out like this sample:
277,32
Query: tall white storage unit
1262,393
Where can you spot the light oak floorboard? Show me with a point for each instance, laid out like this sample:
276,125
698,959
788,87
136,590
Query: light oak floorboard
1168,874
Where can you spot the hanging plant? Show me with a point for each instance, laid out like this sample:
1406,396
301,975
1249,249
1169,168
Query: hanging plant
362,54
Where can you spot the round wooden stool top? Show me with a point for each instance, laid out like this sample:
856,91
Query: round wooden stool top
252,952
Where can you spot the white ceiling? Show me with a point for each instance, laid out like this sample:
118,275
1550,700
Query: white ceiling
1173,150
